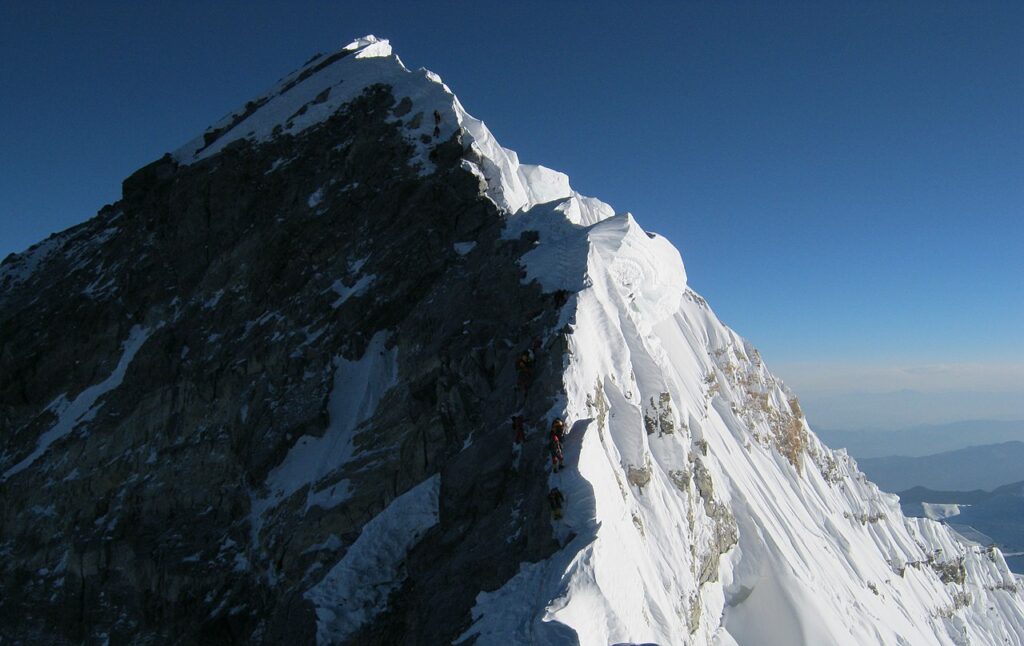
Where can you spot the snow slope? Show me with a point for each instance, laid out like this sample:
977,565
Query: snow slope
691,445
701,508
357,587
357,389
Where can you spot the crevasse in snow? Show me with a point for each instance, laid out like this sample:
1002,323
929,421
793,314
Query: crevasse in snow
701,507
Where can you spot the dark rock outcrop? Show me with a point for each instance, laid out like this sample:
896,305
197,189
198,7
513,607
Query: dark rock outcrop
139,523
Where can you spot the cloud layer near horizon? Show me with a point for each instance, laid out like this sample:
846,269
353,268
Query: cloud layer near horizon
888,396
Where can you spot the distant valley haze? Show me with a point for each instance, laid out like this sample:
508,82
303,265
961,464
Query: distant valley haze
922,440
863,395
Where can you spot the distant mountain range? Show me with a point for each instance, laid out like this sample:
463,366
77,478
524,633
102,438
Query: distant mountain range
977,467
998,515
919,441
918,495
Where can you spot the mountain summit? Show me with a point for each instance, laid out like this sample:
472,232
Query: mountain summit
302,382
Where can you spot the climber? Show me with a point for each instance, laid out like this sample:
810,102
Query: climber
524,366
519,428
556,500
557,458
557,430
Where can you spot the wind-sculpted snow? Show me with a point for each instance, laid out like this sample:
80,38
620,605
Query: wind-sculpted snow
701,507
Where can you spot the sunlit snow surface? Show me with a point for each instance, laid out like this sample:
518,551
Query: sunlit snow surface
821,550
823,557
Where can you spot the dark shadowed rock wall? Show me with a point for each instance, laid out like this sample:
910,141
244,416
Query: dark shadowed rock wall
139,524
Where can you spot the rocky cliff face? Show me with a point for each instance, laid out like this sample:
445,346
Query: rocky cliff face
267,396
229,299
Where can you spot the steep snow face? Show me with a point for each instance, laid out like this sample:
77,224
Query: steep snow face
357,587
702,509
357,389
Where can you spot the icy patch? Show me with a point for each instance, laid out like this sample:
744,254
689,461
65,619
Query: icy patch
100,286
358,289
356,589
356,265
330,544
277,165
84,407
463,248
315,198
211,302
358,388
330,496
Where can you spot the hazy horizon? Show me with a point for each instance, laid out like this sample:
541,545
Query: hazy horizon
874,396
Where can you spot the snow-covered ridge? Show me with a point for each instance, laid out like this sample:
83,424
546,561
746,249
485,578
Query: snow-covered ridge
702,507
325,84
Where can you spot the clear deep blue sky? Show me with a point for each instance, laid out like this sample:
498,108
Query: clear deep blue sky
845,180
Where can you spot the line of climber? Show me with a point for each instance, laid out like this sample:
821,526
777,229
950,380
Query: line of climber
555,445
525,363
554,440
556,499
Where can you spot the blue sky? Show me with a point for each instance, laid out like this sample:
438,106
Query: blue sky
845,181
